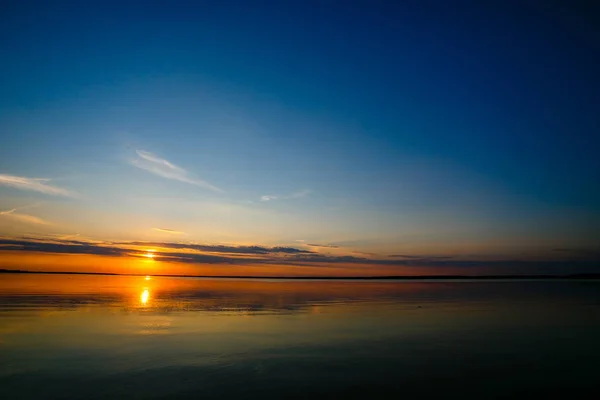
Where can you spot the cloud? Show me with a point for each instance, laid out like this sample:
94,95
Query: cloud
67,237
35,184
419,257
257,250
283,256
161,167
30,219
66,247
355,242
288,250
229,254
364,253
198,258
268,198
332,246
296,195
118,249
324,258
169,231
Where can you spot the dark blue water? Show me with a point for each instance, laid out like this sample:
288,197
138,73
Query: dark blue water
92,337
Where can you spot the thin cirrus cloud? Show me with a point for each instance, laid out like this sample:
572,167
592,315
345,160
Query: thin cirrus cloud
30,219
35,184
331,246
163,168
296,195
169,231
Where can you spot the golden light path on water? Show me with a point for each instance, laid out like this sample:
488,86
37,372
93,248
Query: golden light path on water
145,296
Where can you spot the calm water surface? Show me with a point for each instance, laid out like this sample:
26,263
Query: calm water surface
88,337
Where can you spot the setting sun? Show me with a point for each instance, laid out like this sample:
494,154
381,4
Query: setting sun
149,254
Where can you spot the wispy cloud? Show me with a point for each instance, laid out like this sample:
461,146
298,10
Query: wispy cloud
331,246
419,257
161,167
268,198
296,195
30,219
255,249
169,231
35,184
365,253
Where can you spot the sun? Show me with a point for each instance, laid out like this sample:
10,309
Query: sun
149,254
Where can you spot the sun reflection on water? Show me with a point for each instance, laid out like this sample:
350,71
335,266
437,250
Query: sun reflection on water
145,296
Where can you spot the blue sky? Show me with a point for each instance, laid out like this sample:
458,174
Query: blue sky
430,127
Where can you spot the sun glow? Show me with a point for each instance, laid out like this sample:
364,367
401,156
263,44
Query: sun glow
149,254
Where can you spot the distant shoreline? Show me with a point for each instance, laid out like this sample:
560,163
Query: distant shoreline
580,276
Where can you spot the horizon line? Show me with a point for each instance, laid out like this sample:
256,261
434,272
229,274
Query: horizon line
582,275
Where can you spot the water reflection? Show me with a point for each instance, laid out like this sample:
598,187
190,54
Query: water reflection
133,337
161,294
144,297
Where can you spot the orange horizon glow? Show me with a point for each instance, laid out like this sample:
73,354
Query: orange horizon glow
147,266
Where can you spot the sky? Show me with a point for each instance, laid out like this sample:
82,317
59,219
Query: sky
300,137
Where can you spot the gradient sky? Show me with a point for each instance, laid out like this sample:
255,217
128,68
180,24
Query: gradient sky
460,133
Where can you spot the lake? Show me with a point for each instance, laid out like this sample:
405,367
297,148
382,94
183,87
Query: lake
92,337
